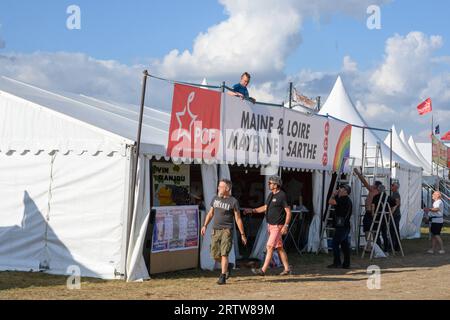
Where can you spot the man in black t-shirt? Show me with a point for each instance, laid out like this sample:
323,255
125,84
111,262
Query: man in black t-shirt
342,213
225,211
278,216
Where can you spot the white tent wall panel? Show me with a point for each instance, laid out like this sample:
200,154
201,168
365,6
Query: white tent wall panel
259,247
87,214
136,269
356,210
24,186
410,188
314,228
209,180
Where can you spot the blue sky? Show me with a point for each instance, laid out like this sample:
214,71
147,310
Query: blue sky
145,32
139,30
121,30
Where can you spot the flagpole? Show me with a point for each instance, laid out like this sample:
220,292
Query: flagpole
432,143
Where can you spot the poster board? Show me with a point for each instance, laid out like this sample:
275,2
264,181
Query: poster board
170,184
175,241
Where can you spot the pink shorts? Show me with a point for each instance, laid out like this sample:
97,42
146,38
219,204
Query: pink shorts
275,240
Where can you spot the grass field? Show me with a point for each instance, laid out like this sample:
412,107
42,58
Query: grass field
416,276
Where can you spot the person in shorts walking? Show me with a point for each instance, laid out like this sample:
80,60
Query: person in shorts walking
225,211
278,216
436,217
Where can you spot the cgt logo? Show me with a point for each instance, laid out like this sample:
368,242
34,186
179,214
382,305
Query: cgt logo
195,123
325,144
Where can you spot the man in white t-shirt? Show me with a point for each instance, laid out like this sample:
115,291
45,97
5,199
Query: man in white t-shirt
436,216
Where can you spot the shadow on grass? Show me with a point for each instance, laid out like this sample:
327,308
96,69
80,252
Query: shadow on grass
306,268
311,264
23,280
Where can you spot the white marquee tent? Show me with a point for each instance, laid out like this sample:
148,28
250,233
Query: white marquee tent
66,175
340,106
401,148
65,180
425,165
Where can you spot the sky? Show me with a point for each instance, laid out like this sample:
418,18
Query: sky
387,71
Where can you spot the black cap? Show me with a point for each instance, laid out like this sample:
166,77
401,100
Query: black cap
347,188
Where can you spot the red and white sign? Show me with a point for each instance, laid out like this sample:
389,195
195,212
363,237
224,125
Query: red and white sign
195,123
425,107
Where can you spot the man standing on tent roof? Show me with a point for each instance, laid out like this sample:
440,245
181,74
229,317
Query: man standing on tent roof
225,210
240,89
278,215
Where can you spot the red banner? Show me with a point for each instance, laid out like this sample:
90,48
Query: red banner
195,123
425,107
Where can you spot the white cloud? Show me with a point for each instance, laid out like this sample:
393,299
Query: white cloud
76,73
258,36
406,67
438,88
265,92
349,65
442,59
375,111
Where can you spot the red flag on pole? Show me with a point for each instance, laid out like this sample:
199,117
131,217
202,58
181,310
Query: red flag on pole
425,107
446,137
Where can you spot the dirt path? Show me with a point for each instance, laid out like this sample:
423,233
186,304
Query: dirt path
417,276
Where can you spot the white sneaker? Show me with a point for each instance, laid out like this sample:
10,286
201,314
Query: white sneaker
430,251
441,251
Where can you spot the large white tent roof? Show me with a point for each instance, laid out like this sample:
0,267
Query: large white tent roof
116,121
415,149
417,161
401,149
339,105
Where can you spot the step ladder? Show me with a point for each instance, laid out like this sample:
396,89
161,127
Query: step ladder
327,230
383,215
372,170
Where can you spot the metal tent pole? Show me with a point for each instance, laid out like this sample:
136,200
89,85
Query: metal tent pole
390,161
136,158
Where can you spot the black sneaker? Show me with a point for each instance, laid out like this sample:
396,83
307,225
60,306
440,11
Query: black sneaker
333,266
346,266
222,279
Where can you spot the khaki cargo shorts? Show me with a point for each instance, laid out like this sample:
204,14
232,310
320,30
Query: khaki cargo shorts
221,242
